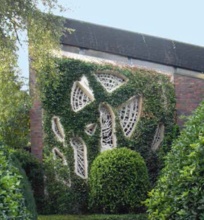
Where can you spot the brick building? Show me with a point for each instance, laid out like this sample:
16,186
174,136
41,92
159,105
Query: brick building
182,62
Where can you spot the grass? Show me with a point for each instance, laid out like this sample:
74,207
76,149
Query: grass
93,217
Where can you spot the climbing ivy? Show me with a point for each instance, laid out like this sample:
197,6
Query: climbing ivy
158,105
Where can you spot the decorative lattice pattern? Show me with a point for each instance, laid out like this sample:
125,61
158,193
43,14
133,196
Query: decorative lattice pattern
58,129
58,155
108,139
81,94
163,95
80,155
158,137
110,81
129,114
90,129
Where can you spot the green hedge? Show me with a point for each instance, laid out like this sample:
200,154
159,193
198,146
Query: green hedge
94,217
118,182
179,192
55,96
16,200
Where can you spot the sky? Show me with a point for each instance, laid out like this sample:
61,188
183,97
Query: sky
180,20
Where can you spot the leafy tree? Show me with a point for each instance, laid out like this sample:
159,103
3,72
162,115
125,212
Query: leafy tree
43,28
43,31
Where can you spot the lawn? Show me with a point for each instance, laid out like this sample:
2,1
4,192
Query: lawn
93,217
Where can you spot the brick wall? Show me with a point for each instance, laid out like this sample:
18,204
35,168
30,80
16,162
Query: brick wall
36,129
189,93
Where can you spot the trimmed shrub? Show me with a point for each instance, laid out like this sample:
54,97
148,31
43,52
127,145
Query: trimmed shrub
179,192
16,199
118,182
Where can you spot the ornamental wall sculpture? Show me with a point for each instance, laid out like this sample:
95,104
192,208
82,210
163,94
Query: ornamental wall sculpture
158,137
80,157
90,129
110,80
163,95
107,120
81,94
58,155
58,129
129,114
102,110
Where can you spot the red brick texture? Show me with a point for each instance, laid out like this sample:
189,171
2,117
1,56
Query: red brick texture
36,130
189,93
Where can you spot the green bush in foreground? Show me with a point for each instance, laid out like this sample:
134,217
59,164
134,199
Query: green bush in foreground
118,182
25,185
179,192
34,172
14,189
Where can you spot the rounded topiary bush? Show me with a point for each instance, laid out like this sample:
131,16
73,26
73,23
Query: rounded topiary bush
118,182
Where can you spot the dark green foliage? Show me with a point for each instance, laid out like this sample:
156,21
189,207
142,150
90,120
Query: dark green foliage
118,182
34,172
15,194
55,95
26,189
94,217
179,192
60,198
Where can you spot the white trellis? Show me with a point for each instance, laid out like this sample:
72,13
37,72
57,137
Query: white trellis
57,154
158,137
129,114
58,129
90,129
81,94
110,80
80,156
107,120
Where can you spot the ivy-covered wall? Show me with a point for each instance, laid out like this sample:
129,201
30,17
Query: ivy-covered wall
67,191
